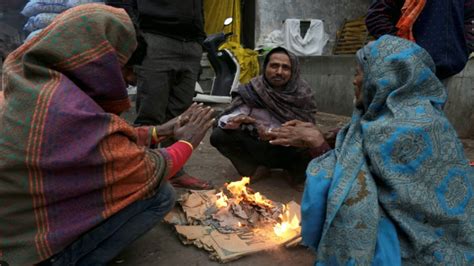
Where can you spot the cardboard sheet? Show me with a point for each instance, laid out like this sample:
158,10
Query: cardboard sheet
224,247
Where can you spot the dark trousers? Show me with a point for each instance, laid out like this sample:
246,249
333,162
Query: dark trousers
107,240
246,153
166,78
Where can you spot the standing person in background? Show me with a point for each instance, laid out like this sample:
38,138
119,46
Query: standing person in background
438,27
469,24
172,33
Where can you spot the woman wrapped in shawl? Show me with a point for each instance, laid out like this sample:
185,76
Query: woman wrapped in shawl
268,101
77,183
397,188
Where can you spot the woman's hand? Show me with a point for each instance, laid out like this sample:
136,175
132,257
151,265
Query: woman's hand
235,122
166,130
297,134
196,126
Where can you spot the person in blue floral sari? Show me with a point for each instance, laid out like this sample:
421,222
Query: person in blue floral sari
398,187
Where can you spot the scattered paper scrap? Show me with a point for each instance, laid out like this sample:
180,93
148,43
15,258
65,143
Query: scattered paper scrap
235,221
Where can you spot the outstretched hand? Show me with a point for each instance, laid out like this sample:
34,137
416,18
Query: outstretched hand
297,134
235,122
167,129
196,126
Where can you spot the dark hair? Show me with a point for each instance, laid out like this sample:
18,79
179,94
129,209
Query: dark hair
273,51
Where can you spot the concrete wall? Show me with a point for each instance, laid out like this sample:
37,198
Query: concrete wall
11,25
331,78
270,14
460,105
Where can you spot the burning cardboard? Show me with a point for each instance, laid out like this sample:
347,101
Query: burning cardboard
234,222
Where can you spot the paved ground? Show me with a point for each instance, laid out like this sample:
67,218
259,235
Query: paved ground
161,245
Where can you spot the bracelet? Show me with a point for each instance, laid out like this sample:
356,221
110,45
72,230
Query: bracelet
154,135
187,142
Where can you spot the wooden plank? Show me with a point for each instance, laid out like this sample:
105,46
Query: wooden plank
351,37
344,52
353,46
343,39
349,48
352,51
355,23
353,30
350,42
355,27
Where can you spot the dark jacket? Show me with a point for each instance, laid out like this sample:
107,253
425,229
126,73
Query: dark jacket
178,19
439,29
469,24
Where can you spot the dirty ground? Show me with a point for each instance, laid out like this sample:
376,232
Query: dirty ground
161,245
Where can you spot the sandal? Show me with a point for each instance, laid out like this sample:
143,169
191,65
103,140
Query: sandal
190,182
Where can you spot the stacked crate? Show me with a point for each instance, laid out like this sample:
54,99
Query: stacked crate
352,36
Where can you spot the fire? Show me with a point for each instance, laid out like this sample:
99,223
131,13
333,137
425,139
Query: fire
239,191
287,225
259,199
238,188
221,200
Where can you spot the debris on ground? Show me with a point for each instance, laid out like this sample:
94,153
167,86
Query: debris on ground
235,221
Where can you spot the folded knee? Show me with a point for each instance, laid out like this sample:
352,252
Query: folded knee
165,199
218,137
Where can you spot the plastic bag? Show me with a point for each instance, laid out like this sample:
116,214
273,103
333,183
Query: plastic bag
39,21
272,40
35,7
73,3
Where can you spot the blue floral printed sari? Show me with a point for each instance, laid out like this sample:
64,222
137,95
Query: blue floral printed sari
397,188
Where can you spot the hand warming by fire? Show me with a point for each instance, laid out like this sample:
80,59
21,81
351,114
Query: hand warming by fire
238,208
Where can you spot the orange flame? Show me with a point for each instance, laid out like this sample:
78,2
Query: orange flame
238,188
239,191
221,200
287,225
259,199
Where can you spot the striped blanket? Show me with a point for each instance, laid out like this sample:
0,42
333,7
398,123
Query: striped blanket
67,160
